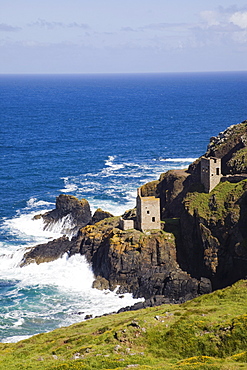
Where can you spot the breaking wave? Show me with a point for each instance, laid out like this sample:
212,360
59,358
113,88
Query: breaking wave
47,295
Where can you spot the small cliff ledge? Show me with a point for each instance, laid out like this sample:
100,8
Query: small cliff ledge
202,244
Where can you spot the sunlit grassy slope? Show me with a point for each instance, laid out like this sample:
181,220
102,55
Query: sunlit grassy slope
209,332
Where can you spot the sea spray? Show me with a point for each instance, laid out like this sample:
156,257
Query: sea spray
53,294
37,298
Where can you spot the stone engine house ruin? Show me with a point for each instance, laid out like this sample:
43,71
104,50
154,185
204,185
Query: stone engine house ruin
210,172
147,212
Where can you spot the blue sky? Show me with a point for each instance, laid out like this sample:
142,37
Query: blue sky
122,36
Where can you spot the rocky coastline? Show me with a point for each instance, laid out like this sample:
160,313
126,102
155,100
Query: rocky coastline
202,245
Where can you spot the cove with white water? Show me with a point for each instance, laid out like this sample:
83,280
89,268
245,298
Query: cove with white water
38,298
99,138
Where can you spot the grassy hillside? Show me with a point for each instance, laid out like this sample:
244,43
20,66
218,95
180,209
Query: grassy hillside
222,200
209,332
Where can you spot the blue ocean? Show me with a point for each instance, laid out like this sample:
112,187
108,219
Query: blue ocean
97,137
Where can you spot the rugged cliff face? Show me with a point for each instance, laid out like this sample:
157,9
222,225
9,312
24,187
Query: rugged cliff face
203,241
214,233
142,263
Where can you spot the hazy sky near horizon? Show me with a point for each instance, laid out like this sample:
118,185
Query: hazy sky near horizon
122,36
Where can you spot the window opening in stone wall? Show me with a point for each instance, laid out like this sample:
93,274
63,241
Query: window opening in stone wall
148,212
153,219
217,171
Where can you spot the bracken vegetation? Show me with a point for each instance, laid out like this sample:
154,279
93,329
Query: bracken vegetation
209,332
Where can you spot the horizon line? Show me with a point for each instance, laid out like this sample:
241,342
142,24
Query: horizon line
114,73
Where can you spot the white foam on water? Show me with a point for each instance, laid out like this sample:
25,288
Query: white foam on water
63,226
111,166
68,187
15,338
10,258
86,186
34,203
72,278
19,322
69,278
69,274
25,227
110,159
180,160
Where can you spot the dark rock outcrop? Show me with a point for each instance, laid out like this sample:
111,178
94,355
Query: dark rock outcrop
71,212
47,252
130,214
100,215
172,187
101,283
230,146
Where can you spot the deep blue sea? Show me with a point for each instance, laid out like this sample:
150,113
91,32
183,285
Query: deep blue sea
97,137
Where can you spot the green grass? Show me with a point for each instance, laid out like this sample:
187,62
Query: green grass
221,201
209,332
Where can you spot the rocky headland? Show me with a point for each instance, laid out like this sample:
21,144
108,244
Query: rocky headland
202,245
